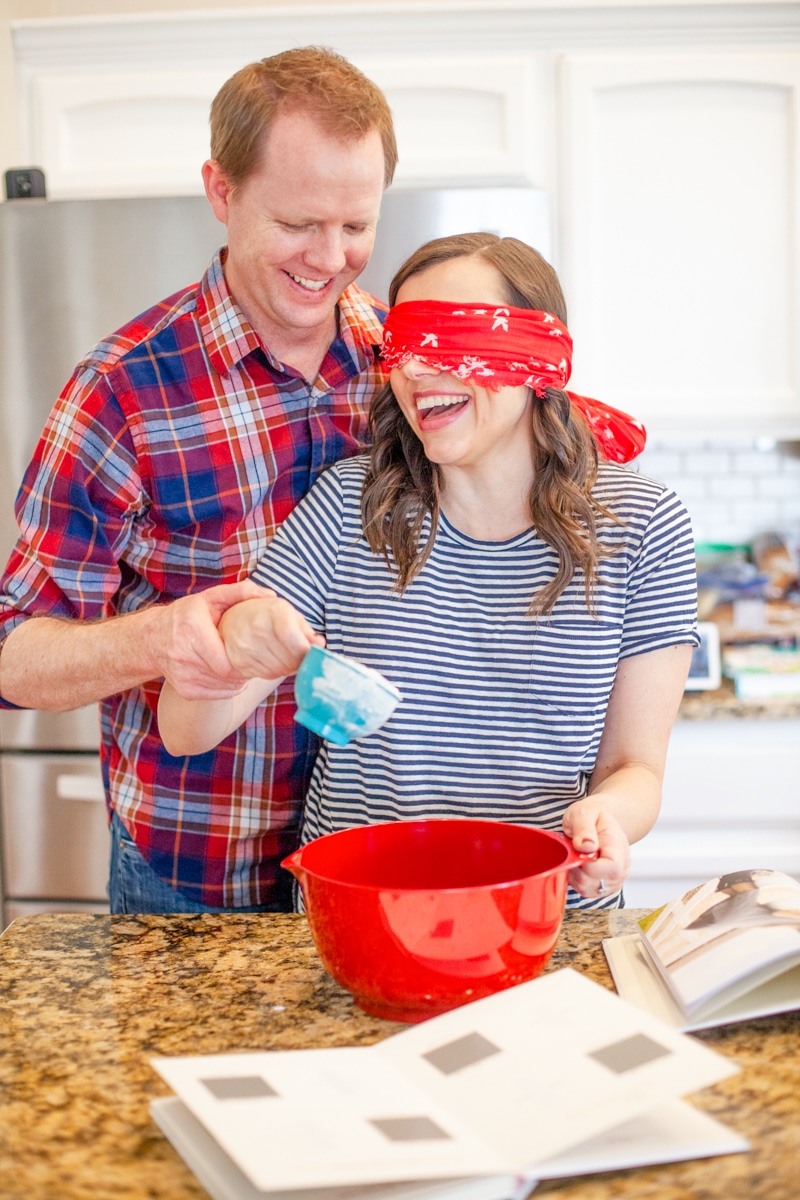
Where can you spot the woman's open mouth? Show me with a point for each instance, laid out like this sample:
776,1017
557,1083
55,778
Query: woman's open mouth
439,408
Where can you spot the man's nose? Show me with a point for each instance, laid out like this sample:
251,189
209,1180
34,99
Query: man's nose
327,252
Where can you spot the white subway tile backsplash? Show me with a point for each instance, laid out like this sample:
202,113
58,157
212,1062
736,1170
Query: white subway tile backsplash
753,463
760,514
707,462
688,487
781,487
737,441
733,487
791,517
660,465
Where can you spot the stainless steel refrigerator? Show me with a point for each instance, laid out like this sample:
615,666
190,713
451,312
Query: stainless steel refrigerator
70,273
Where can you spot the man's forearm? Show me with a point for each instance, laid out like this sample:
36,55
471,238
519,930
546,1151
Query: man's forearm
58,665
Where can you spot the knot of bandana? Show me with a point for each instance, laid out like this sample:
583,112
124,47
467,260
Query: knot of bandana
501,346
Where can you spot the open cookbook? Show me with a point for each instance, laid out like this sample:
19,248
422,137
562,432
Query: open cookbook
725,951
552,1078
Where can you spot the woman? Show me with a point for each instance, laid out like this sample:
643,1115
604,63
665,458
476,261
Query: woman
535,607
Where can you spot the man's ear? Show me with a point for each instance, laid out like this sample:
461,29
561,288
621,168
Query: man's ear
218,189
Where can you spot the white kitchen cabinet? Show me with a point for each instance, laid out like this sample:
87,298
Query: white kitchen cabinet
731,802
681,235
458,119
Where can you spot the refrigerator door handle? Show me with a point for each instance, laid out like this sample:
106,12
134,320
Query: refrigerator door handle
80,787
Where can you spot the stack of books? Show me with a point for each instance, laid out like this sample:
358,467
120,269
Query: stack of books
762,671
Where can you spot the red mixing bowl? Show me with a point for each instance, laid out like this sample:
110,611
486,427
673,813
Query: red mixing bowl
418,917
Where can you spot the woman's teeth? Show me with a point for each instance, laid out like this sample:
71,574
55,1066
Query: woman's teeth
313,285
425,402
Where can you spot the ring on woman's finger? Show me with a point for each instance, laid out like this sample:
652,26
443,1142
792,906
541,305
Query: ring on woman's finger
602,890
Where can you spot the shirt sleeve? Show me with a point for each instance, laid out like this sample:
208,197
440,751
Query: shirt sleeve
300,561
75,509
661,601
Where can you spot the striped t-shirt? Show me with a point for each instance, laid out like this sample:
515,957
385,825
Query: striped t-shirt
502,713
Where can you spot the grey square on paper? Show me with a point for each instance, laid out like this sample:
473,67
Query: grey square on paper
463,1052
238,1087
631,1052
410,1129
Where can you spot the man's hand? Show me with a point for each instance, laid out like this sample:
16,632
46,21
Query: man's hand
185,643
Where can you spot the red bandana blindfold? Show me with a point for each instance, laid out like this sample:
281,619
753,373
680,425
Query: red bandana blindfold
501,347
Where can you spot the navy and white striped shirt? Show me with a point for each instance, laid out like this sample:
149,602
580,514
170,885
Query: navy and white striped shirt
502,713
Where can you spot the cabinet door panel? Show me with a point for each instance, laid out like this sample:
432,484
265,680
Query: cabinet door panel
731,801
681,177
733,772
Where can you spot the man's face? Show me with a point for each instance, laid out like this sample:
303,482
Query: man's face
300,229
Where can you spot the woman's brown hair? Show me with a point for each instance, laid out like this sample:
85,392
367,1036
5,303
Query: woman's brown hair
401,489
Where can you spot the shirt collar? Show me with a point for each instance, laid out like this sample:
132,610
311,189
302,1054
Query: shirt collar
361,325
229,337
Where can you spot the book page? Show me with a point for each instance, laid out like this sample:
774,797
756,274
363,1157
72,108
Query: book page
223,1180
637,980
672,1132
562,1059
710,941
316,1118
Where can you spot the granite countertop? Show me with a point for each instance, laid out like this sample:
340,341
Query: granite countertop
88,1000
722,703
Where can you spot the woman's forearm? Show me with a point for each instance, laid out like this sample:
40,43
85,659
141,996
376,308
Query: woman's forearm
632,794
195,726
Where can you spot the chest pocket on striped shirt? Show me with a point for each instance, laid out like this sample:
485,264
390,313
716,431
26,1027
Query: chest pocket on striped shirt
573,664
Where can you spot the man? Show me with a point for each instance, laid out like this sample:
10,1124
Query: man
178,446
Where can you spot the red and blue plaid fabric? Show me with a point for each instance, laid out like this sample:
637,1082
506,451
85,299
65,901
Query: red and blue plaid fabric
174,452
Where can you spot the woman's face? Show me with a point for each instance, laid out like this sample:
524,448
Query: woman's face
460,423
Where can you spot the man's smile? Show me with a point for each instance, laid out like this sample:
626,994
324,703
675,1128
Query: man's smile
312,285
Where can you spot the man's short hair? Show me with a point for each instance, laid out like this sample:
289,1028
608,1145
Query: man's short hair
309,79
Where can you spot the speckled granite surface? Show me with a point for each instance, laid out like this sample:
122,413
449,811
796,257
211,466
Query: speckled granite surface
86,1001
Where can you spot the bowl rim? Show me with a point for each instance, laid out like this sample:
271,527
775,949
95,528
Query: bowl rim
572,857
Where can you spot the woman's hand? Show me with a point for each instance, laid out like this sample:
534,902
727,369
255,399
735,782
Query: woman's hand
592,827
266,638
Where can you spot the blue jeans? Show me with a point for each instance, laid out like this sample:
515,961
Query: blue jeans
134,887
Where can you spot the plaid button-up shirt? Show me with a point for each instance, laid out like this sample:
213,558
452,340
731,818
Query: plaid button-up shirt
174,452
